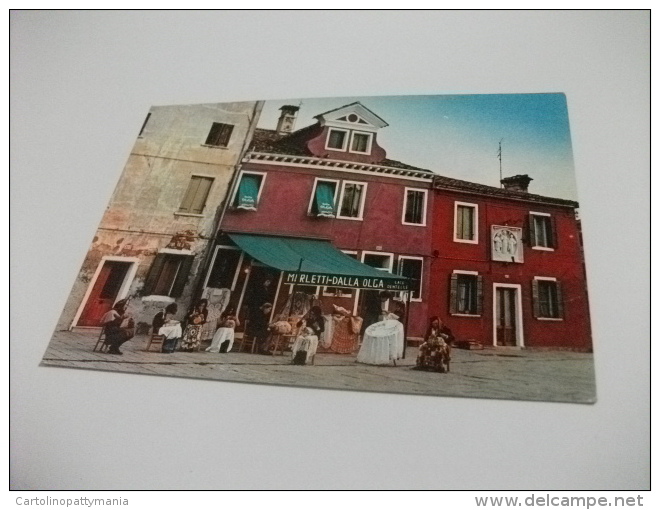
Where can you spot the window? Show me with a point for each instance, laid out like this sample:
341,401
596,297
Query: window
377,260
337,139
546,293
414,207
168,275
361,142
308,290
219,135
465,223
541,232
194,200
224,268
352,200
338,291
465,293
322,201
248,191
411,267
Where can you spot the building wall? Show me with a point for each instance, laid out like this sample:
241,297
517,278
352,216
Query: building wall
143,213
565,263
283,210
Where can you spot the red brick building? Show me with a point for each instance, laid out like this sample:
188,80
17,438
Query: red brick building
501,266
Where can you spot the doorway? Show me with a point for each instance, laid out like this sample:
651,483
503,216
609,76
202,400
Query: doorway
105,292
507,315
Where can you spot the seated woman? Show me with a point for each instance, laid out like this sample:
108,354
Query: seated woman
165,324
115,334
192,335
223,339
434,353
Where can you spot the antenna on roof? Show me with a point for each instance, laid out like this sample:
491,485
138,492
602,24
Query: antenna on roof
499,155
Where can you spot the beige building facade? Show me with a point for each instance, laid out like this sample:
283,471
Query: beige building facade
153,240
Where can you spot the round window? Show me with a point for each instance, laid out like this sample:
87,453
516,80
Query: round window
352,118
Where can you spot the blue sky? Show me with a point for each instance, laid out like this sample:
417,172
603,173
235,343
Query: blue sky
458,135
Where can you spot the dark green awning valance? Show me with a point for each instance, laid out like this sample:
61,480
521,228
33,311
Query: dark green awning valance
322,263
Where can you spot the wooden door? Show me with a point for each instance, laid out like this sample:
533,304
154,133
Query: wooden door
104,293
506,316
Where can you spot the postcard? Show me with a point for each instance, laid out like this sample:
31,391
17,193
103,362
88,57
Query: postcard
426,245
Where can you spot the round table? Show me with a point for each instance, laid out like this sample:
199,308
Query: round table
382,343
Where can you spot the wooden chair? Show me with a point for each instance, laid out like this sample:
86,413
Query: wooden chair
246,340
157,340
101,341
283,342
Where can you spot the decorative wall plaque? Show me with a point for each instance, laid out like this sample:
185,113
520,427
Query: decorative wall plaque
506,244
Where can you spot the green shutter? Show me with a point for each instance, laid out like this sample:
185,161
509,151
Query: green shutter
202,193
154,273
189,197
325,199
535,298
182,276
248,192
453,293
480,294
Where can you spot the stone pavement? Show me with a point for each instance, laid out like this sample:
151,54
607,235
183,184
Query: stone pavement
502,373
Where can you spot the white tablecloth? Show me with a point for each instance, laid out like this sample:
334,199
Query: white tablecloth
220,336
171,331
310,343
382,343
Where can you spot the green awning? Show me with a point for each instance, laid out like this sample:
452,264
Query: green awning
322,263
248,191
325,199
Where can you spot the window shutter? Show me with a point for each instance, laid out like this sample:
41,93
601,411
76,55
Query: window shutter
531,230
560,301
535,298
480,294
553,234
154,273
199,201
453,294
182,276
193,186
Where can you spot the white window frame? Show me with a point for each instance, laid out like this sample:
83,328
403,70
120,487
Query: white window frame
362,201
316,292
238,267
238,183
548,279
337,183
347,132
405,205
551,233
520,338
475,208
403,294
471,273
341,293
388,270
369,142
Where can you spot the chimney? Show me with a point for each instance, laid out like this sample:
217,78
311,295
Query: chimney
287,120
517,183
